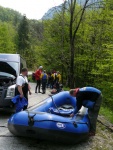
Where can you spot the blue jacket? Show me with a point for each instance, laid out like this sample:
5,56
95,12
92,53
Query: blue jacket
19,103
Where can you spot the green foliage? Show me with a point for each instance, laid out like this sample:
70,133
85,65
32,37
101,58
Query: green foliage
66,88
23,36
7,38
29,37
107,113
9,15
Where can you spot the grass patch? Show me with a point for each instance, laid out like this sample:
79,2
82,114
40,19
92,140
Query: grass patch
66,88
107,113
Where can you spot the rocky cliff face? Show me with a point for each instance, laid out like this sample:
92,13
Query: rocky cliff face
50,13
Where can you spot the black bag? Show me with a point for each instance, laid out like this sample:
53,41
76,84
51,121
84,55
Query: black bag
33,76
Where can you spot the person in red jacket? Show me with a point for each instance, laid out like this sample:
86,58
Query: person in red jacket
38,79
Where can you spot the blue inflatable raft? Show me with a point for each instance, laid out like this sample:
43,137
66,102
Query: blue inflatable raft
50,120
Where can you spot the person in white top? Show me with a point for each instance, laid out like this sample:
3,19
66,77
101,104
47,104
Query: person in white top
21,80
23,85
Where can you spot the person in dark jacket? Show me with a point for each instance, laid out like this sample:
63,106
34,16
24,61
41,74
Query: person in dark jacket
52,80
91,98
49,80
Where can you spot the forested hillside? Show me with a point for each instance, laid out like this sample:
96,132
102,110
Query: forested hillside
8,22
19,35
7,15
77,41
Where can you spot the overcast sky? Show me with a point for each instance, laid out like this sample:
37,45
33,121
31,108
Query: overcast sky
34,9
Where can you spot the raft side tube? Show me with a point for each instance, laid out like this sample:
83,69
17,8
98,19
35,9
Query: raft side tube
46,134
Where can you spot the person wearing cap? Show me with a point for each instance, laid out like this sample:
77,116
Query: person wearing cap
91,98
38,79
44,78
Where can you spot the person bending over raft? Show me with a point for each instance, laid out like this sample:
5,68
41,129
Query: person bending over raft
91,98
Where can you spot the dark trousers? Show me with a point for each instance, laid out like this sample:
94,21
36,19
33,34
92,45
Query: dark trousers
52,84
26,96
38,85
44,85
57,86
93,114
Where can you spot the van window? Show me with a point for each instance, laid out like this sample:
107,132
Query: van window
22,63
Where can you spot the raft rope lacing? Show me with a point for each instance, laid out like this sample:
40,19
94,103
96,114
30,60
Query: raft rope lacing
32,120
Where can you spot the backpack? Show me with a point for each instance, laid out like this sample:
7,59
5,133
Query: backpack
33,76
44,76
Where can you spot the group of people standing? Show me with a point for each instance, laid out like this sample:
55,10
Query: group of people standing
51,80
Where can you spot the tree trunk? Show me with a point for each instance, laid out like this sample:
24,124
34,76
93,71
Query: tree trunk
72,51
72,35
72,65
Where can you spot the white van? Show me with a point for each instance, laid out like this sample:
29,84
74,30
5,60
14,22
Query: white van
10,68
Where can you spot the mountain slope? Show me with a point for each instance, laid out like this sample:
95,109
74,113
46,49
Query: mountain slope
52,11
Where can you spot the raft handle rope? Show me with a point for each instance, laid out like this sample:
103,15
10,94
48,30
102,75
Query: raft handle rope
55,105
31,119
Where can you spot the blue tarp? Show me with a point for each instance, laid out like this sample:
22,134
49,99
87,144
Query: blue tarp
19,102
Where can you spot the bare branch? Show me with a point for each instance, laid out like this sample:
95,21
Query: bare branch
86,7
80,19
95,3
69,3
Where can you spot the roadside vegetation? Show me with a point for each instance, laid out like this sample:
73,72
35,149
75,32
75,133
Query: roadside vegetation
107,113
